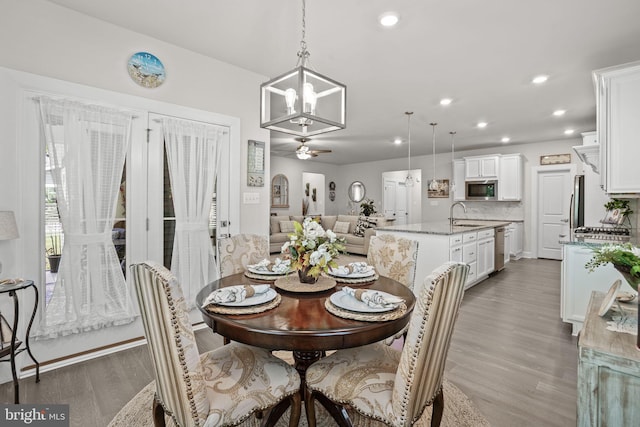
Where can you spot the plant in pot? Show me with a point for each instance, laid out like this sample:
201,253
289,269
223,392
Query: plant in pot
618,208
54,251
367,207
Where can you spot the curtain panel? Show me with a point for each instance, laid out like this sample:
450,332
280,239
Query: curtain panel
87,145
193,155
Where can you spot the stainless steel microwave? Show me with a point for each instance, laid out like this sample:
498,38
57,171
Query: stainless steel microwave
481,190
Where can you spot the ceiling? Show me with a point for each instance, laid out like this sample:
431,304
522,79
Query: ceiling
482,54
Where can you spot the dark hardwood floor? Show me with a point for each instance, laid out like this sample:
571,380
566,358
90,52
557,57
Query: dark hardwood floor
511,354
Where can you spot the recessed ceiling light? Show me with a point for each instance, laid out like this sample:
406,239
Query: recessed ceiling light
569,132
482,124
389,19
559,113
505,139
397,141
540,79
446,101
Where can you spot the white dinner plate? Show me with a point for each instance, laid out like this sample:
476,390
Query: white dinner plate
343,300
254,300
609,299
352,275
267,272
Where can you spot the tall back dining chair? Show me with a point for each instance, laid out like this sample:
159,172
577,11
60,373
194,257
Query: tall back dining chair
222,387
395,387
236,252
394,257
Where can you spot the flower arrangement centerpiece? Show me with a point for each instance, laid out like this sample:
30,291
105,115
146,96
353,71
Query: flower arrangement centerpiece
312,250
624,257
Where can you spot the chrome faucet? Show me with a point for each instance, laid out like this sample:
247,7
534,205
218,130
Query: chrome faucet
451,211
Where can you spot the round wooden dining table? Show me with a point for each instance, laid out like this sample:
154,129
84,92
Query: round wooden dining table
301,323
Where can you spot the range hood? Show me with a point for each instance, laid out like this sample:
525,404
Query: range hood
590,155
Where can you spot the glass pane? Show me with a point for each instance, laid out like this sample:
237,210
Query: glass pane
119,232
53,234
169,216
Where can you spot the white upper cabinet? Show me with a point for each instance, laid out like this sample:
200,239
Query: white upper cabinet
618,127
481,168
458,180
510,181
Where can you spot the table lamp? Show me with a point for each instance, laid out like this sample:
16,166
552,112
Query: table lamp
8,227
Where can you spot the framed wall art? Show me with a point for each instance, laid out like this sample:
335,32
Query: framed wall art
442,192
555,159
255,164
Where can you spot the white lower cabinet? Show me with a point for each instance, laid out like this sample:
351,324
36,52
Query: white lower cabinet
577,283
486,253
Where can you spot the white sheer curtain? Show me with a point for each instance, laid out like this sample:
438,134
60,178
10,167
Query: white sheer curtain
193,155
87,145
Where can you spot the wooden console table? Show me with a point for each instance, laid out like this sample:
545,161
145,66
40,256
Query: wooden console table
608,371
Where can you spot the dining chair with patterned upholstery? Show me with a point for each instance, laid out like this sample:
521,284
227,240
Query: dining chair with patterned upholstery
222,387
236,252
394,257
395,387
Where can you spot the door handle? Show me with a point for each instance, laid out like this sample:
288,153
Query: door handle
562,235
564,220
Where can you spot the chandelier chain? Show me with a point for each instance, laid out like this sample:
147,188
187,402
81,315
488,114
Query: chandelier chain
303,54
433,125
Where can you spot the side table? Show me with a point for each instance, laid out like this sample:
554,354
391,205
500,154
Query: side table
608,371
15,347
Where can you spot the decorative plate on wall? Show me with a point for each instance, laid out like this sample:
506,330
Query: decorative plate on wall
146,69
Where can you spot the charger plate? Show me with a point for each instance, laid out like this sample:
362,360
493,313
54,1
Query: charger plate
265,277
356,281
292,284
253,309
366,317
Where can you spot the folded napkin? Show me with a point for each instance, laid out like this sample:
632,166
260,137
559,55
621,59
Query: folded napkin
278,266
234,293
354,267
373,299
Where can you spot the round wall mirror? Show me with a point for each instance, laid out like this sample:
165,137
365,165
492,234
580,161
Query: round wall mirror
356,191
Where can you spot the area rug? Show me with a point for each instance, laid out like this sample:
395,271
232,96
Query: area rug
459,411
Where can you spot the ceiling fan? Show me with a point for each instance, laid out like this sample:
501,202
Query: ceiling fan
304,152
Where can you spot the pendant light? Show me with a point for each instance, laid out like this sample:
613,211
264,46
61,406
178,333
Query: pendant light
408,181
453,160
303,102
434,184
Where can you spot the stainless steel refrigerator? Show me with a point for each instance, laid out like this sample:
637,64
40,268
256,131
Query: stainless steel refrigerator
576,215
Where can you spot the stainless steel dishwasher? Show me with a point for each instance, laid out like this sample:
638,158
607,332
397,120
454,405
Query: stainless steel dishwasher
499,249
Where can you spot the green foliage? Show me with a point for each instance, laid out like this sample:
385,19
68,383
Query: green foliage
622,205
367,207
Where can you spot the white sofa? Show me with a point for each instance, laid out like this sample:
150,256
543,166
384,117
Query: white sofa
354,244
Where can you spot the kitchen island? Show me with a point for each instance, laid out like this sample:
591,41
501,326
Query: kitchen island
469,241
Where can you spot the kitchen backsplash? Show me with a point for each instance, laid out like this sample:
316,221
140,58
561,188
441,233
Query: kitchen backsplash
513,211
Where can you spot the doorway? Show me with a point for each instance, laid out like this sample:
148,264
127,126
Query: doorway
402,204
553,194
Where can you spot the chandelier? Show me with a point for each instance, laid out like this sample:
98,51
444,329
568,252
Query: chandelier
303,102
408,181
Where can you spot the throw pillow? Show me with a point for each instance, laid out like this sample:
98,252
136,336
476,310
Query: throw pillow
361,225
286,227
341,227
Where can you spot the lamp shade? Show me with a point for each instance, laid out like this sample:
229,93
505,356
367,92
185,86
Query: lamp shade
8,226
303,103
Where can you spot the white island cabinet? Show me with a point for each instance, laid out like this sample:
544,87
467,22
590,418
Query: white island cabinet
618,110
439,243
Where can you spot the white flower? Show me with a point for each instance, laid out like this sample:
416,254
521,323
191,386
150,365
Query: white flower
312,230
320,254
285,247
331,235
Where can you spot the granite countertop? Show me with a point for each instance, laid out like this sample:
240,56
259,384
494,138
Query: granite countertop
443,227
